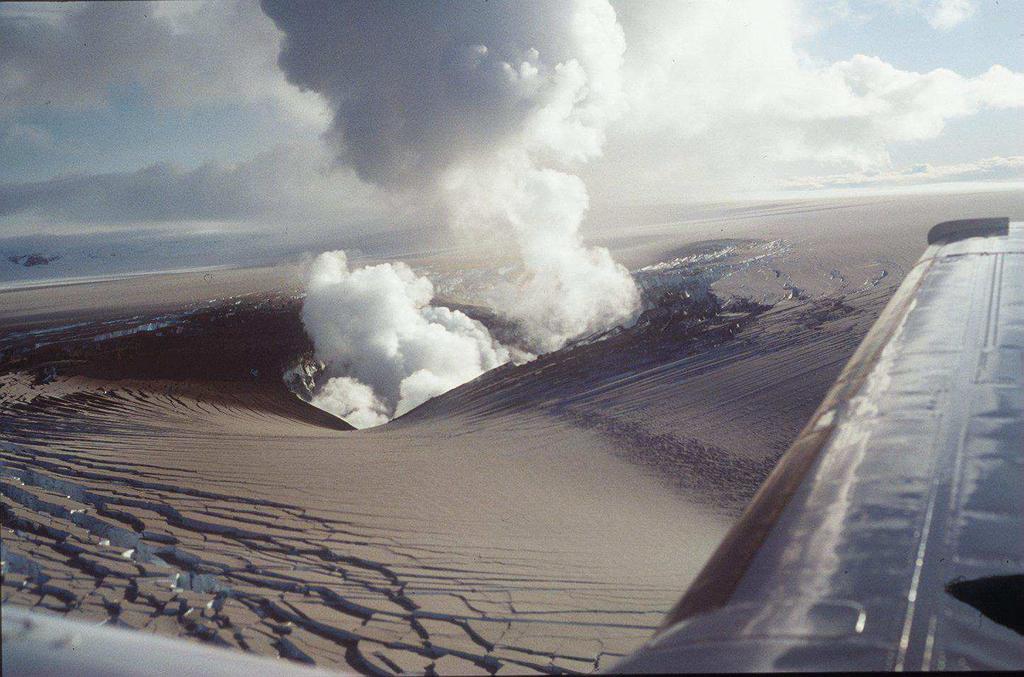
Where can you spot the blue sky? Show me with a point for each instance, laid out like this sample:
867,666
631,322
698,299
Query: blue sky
993,34
903,37
131,132
720,100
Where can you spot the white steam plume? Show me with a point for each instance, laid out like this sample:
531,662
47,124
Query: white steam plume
386,349
566,290
487,105
353,401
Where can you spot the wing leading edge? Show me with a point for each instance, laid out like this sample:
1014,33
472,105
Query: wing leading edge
889,537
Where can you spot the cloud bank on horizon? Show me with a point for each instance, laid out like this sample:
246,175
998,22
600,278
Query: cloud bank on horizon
99,102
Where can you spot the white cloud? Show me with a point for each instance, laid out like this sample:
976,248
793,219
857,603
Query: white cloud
941,15
946,14
183,54
722,97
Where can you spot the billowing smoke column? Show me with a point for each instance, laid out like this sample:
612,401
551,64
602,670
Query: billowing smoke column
484,105
566,290
375,325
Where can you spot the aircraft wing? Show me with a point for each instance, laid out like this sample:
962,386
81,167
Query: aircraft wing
890,535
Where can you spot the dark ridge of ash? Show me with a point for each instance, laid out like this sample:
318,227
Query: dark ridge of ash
676,294
505,331
31,260
247,339
675,322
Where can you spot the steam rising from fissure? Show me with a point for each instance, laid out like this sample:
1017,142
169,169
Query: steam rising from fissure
391,350
486,106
